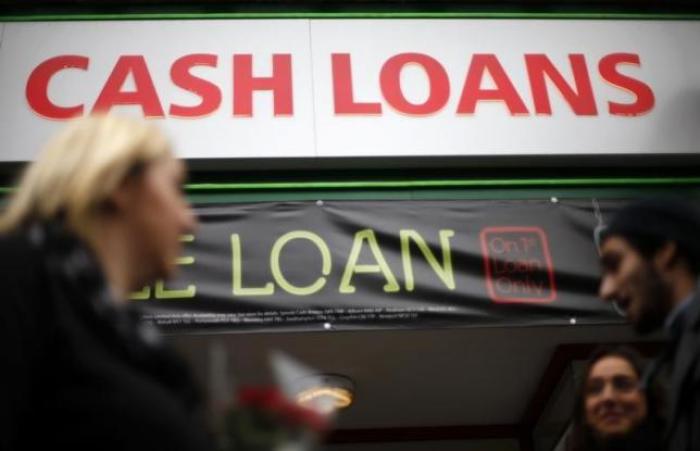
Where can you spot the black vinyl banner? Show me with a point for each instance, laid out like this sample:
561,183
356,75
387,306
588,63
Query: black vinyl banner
385,264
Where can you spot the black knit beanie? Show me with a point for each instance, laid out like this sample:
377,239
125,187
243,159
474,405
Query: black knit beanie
659,220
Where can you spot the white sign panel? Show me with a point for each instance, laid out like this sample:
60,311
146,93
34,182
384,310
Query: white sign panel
351,88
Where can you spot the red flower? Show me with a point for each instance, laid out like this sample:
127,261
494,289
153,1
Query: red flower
271,401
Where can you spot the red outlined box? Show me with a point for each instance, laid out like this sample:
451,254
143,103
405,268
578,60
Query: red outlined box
530,244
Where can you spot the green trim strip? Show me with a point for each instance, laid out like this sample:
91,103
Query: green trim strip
425,184
349,15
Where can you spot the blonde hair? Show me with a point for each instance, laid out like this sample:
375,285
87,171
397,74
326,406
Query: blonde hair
80,168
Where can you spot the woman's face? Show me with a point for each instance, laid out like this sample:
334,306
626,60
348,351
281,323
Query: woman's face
614,403
158,215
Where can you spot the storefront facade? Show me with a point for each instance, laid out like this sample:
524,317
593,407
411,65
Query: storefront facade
404,181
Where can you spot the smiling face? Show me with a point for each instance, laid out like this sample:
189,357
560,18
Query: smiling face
614,403
634,283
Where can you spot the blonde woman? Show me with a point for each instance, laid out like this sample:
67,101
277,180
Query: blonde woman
97,215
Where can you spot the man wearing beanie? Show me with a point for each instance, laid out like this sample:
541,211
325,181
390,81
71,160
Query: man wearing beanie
650,258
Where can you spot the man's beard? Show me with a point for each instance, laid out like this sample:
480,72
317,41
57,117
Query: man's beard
655,299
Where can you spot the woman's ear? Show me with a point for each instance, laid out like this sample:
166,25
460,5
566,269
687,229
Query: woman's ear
123,196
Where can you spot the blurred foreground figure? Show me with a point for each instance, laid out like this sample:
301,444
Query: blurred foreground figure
98,215
650,256
612,412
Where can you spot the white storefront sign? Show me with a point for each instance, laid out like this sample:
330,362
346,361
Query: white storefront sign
359,88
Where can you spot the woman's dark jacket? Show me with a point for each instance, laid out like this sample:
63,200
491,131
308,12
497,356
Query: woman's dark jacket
646,437
76,371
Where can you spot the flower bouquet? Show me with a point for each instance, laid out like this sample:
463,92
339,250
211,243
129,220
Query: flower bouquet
266,420
270,418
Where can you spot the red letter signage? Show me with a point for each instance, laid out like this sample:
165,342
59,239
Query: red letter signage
581,100
280,83
207,91
504,91
343,97
38,85
145,94
645,96
439,84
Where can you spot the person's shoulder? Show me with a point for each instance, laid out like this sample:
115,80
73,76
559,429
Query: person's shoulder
18,254
14,241
693,312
